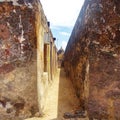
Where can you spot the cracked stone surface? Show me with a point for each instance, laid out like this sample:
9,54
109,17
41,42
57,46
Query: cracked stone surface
92,58
18,73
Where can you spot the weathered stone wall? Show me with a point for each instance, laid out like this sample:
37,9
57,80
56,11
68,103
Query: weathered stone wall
45,58
18,73
92,58
60,57
23,83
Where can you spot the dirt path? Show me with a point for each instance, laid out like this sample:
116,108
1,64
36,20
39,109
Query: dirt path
61,99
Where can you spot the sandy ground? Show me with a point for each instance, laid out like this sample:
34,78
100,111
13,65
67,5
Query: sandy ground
61,98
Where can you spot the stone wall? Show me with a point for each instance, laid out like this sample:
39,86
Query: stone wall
23,83
92,58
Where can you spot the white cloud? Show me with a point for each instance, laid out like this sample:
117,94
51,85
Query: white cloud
55,27
65,33
62,12
64,44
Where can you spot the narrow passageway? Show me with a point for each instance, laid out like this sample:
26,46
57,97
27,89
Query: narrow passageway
61,99
67,101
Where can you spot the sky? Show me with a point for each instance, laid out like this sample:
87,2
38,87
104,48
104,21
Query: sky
62,15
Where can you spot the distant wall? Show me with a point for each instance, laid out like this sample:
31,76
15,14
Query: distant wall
92,58
23,83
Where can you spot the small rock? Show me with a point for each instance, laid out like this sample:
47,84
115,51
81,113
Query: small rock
68,115
80,114
38,114
9,110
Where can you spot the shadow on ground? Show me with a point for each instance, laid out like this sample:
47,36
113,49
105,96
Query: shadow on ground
67,100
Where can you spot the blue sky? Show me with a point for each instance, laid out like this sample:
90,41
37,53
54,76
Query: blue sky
62,15
62,34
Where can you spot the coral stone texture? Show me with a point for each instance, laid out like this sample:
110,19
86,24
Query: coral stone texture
92,58
18,59
27,62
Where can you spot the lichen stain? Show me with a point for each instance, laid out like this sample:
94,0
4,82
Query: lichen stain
17,34
4,32
6,68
